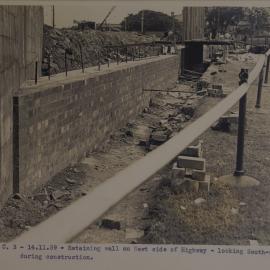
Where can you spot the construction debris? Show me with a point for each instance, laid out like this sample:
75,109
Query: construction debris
70,181
17,196
111,224
216,91
199,201
188,173
235,211
134,234
90,43
227,123
180,107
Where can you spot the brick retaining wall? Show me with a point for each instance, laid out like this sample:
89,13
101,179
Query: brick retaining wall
58,125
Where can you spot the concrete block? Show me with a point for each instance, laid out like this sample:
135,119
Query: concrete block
190,186
231,118
134,233
179,185
189,172
191,162
193,151
217,86
198,175
215,92
158,137
227,123
178,172
205,185
109,223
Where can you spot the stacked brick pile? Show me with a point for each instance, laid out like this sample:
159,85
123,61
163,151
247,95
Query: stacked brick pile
216,91
188,172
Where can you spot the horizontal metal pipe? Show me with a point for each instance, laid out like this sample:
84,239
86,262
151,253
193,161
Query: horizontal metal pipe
164,90
140,44
83,212
192,71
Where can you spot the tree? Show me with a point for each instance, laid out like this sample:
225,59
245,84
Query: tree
258,18
218,19
153,21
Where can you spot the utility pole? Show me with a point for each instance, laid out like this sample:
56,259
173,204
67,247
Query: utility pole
173,27
125,24
53,17
142,21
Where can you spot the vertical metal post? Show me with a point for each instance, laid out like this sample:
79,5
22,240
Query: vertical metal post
126,54
53,17
49,66
36,71
142,21
267,69
259,92
66,63
239,179
98,61
82,64
132,54
173,29
16,146
108,57
239,171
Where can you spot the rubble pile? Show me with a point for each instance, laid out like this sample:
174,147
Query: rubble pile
165,119
25,211
90,42
178,111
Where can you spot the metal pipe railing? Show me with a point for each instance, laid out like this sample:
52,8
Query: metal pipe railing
267,69
259,92
116,49
81,57
66,68
36,72
86,210
49,66
239,170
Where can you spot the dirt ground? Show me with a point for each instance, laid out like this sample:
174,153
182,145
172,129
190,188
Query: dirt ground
152,213
229,216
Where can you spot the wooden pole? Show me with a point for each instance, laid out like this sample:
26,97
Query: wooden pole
53,17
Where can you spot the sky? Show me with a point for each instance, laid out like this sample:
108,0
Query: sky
96,11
